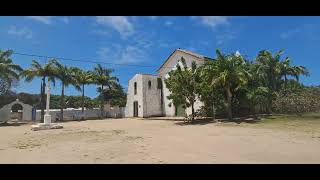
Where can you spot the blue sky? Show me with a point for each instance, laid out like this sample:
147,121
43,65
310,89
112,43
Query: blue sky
149,40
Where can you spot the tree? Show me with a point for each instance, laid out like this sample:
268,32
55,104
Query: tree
115,95
182,83
294,71
102,77
82,78
257,96
9,72
272,69
269,67
45,71
207,88
65,75
229,73
299,70
4,86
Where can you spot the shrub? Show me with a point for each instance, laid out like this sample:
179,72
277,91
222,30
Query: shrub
300,100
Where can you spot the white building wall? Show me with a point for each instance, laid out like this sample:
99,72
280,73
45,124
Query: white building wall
149,100
131,97
163,73
76,114
152,100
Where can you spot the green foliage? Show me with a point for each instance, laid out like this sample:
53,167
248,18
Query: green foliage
226,72
241,86
36,70
115,95
102,77
5,85
34,100
182,83
72,102
9,72
66,76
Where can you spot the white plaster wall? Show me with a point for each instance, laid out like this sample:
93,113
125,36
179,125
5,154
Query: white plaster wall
152,100
5,111
163,73
114,111
131,97
74,114
168,111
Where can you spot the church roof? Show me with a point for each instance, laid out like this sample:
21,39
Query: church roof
199,56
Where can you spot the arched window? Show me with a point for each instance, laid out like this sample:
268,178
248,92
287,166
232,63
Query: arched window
135,88
149,84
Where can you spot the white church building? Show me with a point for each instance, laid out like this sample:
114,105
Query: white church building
147,94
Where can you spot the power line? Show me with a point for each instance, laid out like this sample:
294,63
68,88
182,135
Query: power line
87,61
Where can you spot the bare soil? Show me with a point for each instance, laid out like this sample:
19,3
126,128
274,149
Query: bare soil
157,141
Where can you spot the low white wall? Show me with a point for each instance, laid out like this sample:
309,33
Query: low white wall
75,114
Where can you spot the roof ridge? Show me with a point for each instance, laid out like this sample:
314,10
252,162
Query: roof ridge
187,52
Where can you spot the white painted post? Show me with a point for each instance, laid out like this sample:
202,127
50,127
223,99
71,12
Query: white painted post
47,116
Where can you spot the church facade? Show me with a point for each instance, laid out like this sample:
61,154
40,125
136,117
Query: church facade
147,94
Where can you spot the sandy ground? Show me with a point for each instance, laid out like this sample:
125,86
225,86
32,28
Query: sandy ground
155,141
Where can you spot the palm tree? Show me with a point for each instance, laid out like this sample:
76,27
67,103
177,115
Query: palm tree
8,70
286,70
299,70
82,78
228,72
65,75
102,77
294,71
269,67
45,71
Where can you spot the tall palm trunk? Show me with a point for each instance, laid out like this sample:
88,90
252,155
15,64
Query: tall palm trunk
101,102
229,102
62,102
41,97
285,82
42,101
82,102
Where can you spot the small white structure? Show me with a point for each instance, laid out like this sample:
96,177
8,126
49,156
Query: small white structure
5,111
147,94
47,117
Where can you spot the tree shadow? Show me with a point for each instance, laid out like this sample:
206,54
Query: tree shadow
251,119
200,121
164,118
8,124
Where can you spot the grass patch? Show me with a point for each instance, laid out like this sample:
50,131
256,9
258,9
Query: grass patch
308,122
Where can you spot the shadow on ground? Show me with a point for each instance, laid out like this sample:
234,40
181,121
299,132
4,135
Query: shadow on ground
6,124
238,120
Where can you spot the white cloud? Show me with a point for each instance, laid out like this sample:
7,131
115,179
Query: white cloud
168,23
43,19
224,38
153,17
103,53
120,23
288,34
21,32
122,54
164,45
132,54
65,20
211,21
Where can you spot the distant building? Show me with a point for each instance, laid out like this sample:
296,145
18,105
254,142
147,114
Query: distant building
147,94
